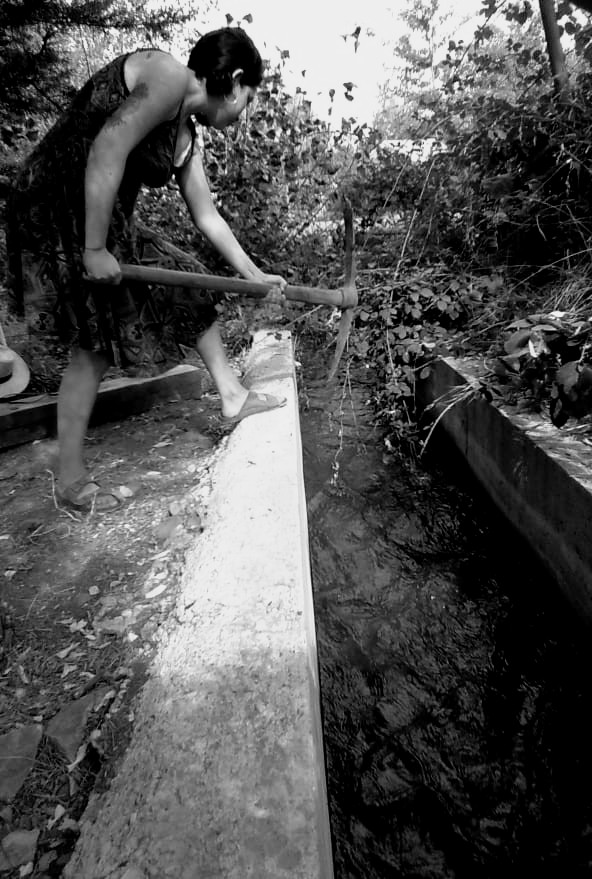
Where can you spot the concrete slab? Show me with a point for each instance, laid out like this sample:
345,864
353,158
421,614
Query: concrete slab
539,476
225,778
28,420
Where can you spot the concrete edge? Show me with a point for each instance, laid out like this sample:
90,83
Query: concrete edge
540,478
225,774
24,421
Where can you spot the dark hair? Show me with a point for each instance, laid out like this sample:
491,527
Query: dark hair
219,53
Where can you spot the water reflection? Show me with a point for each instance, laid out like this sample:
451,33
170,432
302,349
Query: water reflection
455,679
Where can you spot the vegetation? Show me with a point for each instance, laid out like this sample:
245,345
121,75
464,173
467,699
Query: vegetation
484,223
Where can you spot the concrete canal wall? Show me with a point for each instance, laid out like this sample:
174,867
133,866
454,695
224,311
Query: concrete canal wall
225,776
539,476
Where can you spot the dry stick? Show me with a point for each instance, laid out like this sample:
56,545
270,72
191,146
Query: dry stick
300,317
346,385
347,314
459,396
55,499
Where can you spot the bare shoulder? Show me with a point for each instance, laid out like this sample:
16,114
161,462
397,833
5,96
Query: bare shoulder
157,69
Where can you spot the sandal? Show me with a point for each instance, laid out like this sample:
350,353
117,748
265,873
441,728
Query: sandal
255,403
86,494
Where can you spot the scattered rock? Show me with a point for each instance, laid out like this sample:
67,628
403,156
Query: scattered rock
165,529
199,440
179,539
113,625
46,860
175,509
148,630
18,848
194,522
66,729
17,755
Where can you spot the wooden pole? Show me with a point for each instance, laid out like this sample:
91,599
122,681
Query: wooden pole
172,278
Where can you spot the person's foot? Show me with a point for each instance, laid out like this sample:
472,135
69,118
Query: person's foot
85,494
233,402
253,404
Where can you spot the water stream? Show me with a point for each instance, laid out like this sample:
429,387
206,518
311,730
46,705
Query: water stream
456,682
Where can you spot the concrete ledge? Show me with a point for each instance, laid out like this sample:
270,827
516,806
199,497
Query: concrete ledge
538,476
225,778
23,422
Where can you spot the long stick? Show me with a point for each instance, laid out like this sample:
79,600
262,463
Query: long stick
349,289
173,278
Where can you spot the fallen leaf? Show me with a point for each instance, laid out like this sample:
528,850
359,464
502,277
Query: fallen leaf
67,727
80,755
18,848
17,755
59,812
158,590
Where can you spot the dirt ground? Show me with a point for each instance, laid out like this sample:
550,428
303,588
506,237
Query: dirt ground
82,600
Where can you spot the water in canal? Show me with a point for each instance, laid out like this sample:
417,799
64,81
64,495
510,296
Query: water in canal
456,683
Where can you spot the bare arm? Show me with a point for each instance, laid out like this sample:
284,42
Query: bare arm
196,192
155,96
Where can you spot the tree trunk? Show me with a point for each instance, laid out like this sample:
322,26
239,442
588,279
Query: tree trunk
555,50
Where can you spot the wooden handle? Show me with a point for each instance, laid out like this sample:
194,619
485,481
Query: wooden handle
171,278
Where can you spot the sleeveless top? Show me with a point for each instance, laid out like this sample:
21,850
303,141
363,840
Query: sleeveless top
45,209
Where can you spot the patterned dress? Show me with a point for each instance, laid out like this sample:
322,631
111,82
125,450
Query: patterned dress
141,329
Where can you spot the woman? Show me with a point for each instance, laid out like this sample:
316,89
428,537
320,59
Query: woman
70,223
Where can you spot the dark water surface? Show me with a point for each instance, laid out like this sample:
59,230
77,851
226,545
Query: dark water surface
456,682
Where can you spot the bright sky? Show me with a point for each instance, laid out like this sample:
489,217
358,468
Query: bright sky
312,31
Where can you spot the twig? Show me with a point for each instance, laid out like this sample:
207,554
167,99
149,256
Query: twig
55,500
465,394
348,313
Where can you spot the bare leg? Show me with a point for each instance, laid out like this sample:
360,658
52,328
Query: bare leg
77,395
211,351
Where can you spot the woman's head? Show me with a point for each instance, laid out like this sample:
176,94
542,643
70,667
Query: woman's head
220,55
